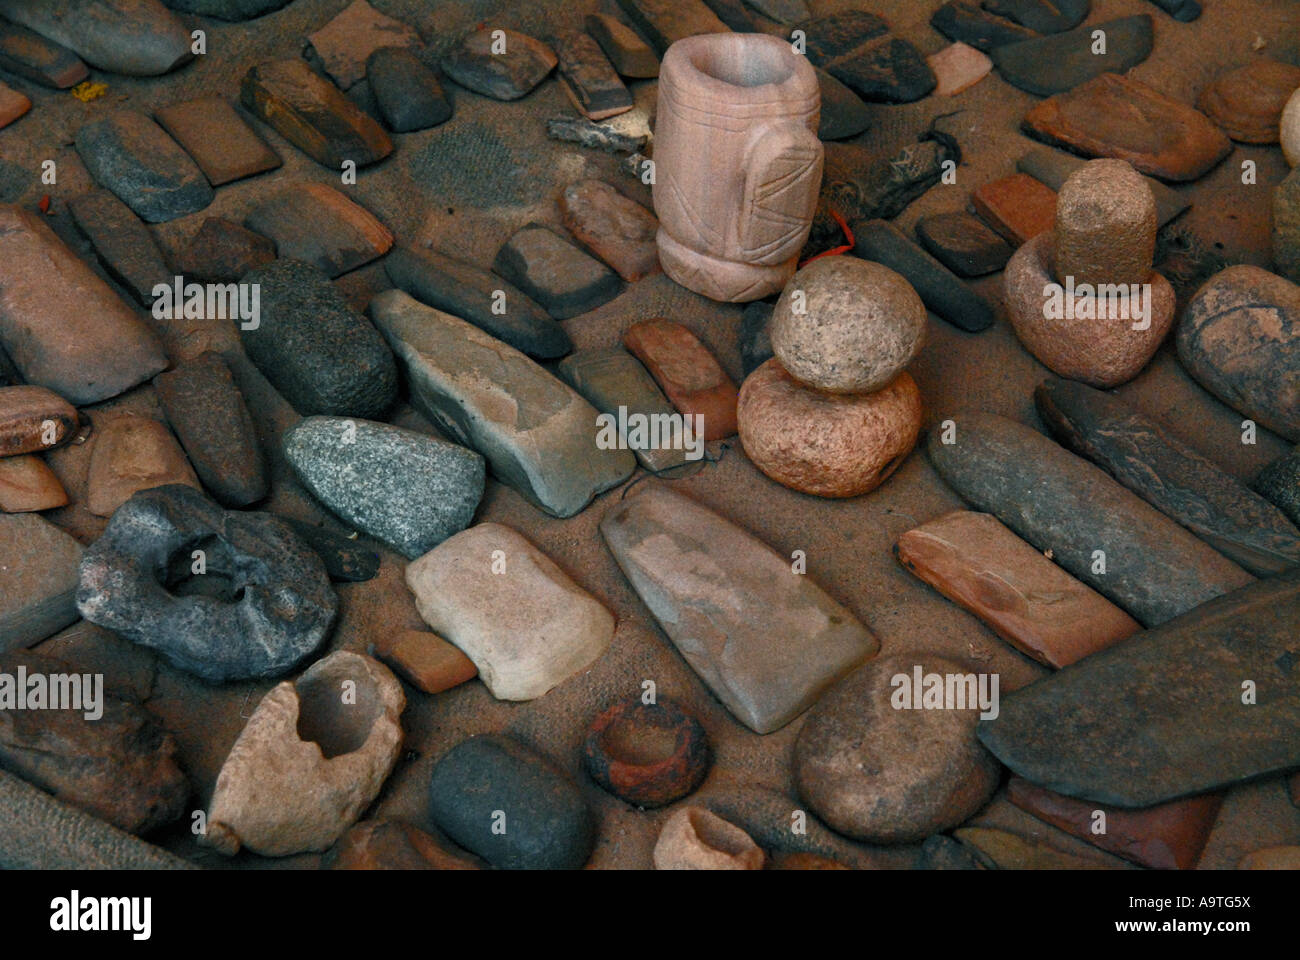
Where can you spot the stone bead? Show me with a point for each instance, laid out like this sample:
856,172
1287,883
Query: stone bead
695,839
1105,225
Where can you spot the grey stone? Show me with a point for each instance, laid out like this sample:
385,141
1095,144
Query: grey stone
1045,16
228,9
844,114
407,92
1279,482
344,559
31,56
969,23
136,37
663,22
39,566
1062,61
565,281
123,244
755,335
782,11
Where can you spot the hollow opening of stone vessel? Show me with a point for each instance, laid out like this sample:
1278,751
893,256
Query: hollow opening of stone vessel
336,710
213,557
743,64
639,745
714,833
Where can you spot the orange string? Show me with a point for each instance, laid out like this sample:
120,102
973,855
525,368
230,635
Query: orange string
835,251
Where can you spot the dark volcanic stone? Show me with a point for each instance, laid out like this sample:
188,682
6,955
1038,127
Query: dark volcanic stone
508,75
1057,501
590,79
344,559
228,9
206,410
844,114
263,605
1062,61
222,251
565,281
663,22
30,55
410,490
123,244
964,244
833,36
630,55
755,336
648,755
1045,16
968,23
321,355
1161,715
1169,475
1279,483
940,289
131,155
469,293
547,824
1184,11
407,92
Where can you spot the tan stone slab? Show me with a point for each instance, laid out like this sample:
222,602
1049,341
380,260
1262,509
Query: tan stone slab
132,454
27,485
224,146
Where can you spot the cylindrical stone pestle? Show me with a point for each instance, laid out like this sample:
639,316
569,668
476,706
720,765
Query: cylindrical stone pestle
1105,225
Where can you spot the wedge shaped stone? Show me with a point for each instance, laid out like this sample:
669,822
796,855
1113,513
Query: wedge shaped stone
630,55
343,45
615,228
319,225
590,79
140,38
122,243
565,281
477,65
1061,61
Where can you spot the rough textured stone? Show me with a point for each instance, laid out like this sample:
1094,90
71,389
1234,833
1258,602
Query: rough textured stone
1105,225
313,115
560,277
315,350
391,845
224,146
528,629
970,23
694,838
262,606
27,485
1030,602
1123,118
344,558
309,761
39,566
469,293
1183,485
1286,227
343,45
131,155
619,231
1054,168
847,325
688,373
1155,569
407,489
34,419
1247,103
1018,207
730,605
630,55
1289,130
222,251
409,94
1240,338
502,76
647,754
589,79
856,48
537,434
205,408
139,38
1063,61
963,244
548,825
883,774
1279,483
663,22
133,453
317,224
32,57
1162,716
426,660
957,68
122,243
827,444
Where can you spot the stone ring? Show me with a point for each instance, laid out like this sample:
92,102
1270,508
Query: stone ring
647,754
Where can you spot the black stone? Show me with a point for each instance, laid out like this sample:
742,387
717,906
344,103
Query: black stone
941,290
407,92
469,293
844,114
547,826
345,559
1279,483
1062,61
263,605
968,23
122,243
561,278
663,22
228,9
964,244
1059,502
830,37
755,335
1169,475
733,14
888,69
1185,11
320,354
1045,16
1161,715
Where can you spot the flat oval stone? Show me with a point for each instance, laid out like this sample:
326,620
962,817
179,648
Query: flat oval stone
694,838
1062,61
31,56
317,224
263,605
506,75
39,570
320,354
648,755
133,453
880,773
565,281
140,38
131,155
1058,502
407,489
408,93
221,142
33,419
548,825
1240,338
616,229
688,373
1247,103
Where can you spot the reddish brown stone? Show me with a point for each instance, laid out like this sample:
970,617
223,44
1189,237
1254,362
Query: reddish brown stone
12,105
647,754
1168,836
221,143
27,485
589,79
616,229
344,44
32,419
222,251
1030,602
133,453
1018,207
687,372
392,845
30,55
317,224
1247,103
426,660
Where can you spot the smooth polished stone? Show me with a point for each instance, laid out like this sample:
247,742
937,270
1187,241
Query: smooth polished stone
1062,61
688,373
317,224
615,228
139,38
1247,103
565,281
509,74
221,142
426,660
33,419
1018,207
31,56
28,485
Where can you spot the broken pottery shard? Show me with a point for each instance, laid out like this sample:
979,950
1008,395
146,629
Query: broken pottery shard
31,56
140,38
221,252
407,489
309,760
618,230
1053,168
319,225
1161,716
526,625
732,607
1030,602
467,292
630,55
1154,568
119,765
688,373
1247,103
28,485
1168,836
1166,473
310,113
224,146
62,326
537,434
261,606
205,408
1122,118
1062,61
131,155
589,79
426,660
963,244
34,419
664,22
133,453
1240,339
565,281
122,242
12,105
969,23
1279,483
343,45
39,566
409,94
319,353
477,63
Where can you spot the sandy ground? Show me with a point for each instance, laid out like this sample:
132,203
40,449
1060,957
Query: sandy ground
464,188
